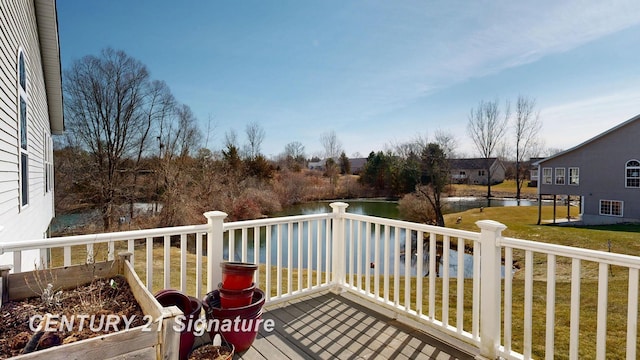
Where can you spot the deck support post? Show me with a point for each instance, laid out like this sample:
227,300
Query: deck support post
490,287
338,246
4,285
215,247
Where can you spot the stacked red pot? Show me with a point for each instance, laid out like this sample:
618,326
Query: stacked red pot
237,297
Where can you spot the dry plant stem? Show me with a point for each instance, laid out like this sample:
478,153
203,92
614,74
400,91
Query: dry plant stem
44,286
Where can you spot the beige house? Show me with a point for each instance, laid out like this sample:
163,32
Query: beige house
476,171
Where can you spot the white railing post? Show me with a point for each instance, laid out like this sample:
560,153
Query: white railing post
215,247
338,244
490,287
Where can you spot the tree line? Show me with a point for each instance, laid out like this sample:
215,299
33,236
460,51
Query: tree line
129,140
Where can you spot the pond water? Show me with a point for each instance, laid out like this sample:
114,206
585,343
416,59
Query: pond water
380,208
387,209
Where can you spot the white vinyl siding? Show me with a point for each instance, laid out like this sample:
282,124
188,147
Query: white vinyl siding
20,35
611,207
574,176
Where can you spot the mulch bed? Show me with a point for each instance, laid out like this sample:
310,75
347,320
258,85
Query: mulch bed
101,298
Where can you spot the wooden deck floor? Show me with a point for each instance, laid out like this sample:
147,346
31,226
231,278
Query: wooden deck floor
329,326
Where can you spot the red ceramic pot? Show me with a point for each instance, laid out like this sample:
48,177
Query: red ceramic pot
250,314
235,298
237,275
191,307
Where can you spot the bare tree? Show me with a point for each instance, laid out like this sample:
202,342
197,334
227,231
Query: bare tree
107,101
526,127
255,137
231,139
161,104
447,142
294,155
182,136
294,149
331,144
487,127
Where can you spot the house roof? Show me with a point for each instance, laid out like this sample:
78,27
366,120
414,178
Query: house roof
47,19
471,164
357,162
599,136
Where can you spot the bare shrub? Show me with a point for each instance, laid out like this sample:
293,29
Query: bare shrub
414,208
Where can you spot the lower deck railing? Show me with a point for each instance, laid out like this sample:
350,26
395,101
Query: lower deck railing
502,297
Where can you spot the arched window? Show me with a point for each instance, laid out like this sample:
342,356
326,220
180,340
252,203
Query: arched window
632,170
23,100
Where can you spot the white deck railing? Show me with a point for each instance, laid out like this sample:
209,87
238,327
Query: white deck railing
430,277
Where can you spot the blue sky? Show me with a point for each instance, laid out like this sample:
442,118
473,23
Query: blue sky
375,72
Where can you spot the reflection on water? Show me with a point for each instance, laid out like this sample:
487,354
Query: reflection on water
370,256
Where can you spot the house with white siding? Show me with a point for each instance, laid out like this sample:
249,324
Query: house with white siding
30,112
603,173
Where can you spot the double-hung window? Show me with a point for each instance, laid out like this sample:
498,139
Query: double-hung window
547,176
560,176
23,101
574,176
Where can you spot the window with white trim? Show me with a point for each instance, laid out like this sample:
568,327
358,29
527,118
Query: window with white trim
632,172
547,176
574,176
611,207
48,162
560,176
23,138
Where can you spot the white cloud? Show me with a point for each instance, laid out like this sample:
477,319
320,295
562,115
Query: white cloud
570,124
514,33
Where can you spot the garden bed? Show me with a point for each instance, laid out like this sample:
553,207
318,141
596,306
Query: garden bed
102,311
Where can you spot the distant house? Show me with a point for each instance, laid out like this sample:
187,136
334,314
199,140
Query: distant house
317,165
356,165
475,171
604,172
31,101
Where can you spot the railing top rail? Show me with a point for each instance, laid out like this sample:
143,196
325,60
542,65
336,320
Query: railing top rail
271,221
573,252
21,245
416,226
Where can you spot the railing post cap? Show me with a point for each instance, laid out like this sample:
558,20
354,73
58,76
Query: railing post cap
215,214
491,225
339,205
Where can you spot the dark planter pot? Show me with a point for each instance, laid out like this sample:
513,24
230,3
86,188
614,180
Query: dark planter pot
212,352
241,339
191,307
236,298
237,275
